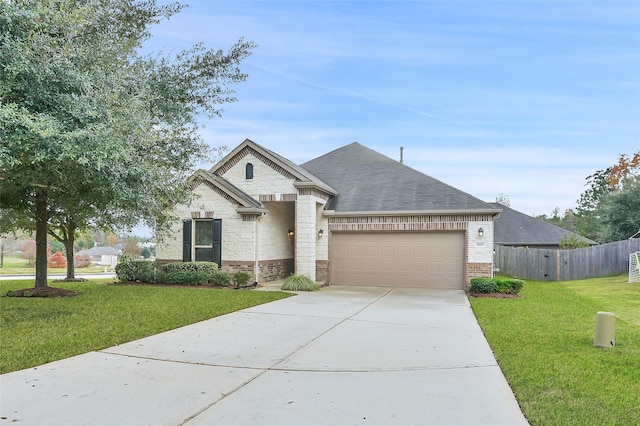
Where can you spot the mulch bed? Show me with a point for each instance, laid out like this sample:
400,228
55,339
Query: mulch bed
41,292
496,295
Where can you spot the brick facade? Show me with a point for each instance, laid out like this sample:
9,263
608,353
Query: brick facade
271,270
322,271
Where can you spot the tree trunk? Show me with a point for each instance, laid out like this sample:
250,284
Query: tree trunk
68,244
42,218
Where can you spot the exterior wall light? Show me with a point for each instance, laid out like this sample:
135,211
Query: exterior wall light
481,232
320,233
290,233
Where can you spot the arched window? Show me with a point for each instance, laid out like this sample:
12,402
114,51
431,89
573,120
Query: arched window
249,171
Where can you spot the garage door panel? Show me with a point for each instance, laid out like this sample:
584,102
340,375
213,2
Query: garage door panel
427,259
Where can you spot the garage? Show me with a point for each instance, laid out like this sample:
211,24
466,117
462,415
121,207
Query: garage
408,259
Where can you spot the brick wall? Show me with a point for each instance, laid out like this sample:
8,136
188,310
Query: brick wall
322,271
479,270
279,269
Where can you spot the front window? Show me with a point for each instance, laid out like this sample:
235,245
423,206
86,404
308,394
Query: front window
206,249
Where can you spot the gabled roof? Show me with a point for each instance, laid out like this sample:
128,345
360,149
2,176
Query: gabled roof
246,202
302,176
519,229
102,251
367,181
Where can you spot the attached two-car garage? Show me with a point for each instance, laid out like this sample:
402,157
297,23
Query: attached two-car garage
398,259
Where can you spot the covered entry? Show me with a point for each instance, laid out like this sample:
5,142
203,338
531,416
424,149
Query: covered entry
394,259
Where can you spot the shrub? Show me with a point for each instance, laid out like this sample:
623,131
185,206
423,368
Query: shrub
191,273
241,278
136,270
186,277
299,283
81,260
483,285
210,267
220,279
509,285
496,285
57,260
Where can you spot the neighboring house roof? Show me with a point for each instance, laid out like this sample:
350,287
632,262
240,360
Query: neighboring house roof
518,229
367,181
303,176
245,201
102,251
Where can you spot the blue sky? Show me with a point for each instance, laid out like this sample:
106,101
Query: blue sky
513,97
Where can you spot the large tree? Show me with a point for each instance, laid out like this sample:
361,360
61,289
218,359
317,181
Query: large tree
621,212
94,133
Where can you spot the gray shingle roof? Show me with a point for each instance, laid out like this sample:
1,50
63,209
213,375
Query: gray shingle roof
515,228
368,181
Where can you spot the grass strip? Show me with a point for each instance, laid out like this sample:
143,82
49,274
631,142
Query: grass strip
35,331
544,345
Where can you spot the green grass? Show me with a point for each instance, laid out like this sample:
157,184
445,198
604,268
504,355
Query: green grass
612,294
34,331
544,345
21,267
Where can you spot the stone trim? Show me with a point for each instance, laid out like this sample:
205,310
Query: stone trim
209,214
268,198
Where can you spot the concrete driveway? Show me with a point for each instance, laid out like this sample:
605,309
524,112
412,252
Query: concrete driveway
339,356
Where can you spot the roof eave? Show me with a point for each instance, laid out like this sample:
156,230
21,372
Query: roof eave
315,185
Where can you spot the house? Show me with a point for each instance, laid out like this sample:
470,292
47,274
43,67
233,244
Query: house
517,229
107,256
352,216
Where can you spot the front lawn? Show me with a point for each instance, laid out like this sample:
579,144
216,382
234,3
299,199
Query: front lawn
35,331
22,267
544,345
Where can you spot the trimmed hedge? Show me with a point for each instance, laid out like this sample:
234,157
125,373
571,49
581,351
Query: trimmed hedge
136,270
183,273
496,285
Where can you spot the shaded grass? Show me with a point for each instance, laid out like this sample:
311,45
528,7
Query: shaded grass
35,331
613,294
544,345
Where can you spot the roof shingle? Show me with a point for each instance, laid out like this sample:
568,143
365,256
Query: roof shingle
367,181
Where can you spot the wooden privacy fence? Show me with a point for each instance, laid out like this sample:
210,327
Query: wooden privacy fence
564,265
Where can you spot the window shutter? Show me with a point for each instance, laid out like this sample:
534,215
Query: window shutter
186,241
217,241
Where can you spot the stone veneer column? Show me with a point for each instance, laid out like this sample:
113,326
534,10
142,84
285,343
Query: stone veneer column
305,235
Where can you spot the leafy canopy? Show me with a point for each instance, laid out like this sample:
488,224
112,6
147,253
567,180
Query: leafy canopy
93,132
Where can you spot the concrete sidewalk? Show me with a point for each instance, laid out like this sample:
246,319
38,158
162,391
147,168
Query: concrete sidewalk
339,356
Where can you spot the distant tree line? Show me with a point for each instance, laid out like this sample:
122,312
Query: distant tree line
609,209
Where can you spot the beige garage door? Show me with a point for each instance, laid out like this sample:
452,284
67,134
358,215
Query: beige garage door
426,259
